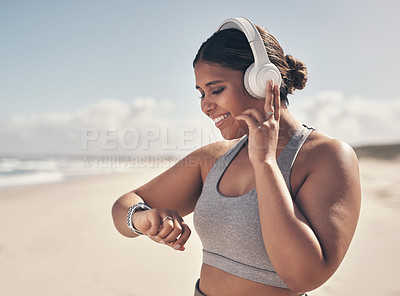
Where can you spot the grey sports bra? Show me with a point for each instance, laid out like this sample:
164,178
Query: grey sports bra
229,227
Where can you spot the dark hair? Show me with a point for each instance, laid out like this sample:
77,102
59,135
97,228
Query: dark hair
230,48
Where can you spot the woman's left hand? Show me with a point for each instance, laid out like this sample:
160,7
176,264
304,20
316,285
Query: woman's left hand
263,127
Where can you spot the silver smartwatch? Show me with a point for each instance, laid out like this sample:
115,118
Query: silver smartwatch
139,206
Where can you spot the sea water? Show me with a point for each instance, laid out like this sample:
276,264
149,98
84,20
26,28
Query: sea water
28,170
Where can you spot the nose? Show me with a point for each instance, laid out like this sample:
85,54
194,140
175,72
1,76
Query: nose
207,106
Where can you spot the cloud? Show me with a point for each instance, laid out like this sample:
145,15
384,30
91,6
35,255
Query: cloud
354,119
110,126
146,126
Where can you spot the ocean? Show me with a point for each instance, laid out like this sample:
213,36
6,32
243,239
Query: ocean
24,170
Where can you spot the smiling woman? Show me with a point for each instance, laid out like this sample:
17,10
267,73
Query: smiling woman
277,204
229,91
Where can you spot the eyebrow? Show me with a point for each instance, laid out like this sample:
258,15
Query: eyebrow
211,83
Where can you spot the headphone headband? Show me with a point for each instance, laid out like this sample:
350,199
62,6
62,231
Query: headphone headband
253,37
262,70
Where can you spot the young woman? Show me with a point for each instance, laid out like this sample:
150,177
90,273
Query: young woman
276,206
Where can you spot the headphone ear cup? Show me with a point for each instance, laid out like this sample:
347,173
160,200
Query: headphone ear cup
256,79
268,72
249,77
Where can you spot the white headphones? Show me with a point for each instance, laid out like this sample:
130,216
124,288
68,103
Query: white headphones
262,70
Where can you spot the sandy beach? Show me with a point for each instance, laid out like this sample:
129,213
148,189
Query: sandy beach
59,239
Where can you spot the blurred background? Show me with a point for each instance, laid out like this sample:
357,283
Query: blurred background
89,88
84,78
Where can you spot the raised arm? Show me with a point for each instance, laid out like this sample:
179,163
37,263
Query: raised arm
307,239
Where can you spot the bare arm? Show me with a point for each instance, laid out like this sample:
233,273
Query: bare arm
307,240
173,193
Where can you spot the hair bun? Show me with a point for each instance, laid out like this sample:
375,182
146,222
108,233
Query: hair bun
296,76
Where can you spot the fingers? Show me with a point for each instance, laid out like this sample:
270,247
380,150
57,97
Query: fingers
252,117
272,100
268,105
168,228
255,114
277,102
155,222
179,244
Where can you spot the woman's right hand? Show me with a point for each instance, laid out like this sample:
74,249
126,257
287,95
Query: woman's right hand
163,226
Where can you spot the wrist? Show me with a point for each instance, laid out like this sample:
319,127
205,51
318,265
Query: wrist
135,217
266,165
131,213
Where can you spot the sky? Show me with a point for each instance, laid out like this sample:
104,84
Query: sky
116,76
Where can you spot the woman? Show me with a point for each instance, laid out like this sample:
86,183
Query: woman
276,207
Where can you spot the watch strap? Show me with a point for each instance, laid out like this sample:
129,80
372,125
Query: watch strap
132,210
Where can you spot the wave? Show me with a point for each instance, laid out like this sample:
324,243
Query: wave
20,171
30,178
15,171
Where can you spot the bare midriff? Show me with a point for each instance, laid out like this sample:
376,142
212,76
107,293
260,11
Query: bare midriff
215,282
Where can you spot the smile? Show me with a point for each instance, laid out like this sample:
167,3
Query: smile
220,118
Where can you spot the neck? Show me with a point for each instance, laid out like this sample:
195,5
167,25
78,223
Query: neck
288,125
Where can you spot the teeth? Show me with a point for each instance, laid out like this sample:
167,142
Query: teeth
222,117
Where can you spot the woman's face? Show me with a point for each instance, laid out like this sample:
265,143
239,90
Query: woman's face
223,97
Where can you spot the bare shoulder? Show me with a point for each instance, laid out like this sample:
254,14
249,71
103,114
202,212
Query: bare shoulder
331,169
330,194
324,160
322,150
207,155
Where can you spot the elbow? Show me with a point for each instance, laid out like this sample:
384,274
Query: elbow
303,285
307,279
114,212
118,214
